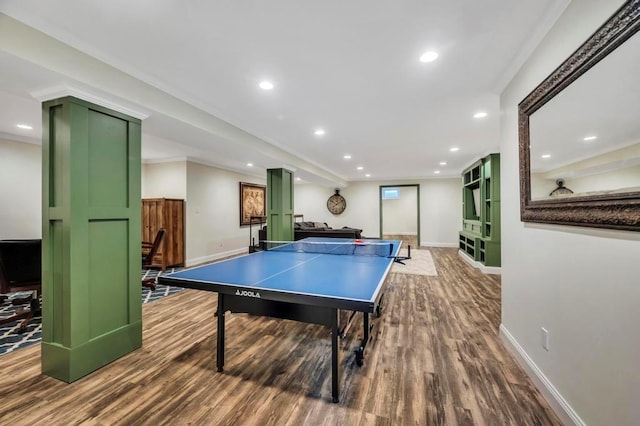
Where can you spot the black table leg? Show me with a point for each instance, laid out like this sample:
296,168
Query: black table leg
335,357
365,339
220,348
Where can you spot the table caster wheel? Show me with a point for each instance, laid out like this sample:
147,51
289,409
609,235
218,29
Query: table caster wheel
360,356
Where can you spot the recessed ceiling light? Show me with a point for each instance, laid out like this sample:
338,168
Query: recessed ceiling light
454,149
24,126
347,157
429,56
319,132
443,163
298,178
249,164
437,172
266,85
590,138
545,156
360,167
480,114
367,175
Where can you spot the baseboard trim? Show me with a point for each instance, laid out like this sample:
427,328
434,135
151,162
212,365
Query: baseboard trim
216,256
558,404
430,244
493,270
405,234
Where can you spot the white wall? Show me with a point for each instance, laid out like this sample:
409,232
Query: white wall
20,190
164,180
213,213
399,215
440,208
582,285
440,212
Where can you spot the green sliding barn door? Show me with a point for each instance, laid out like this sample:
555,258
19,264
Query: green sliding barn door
92,312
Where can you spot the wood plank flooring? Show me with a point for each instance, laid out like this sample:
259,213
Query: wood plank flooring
435,359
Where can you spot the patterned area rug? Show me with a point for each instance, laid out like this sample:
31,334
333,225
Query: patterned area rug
12,339
421,263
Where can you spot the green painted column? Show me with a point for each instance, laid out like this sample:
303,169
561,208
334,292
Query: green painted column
279,205
91,213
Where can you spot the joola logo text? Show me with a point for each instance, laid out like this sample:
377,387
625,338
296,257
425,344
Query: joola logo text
247,293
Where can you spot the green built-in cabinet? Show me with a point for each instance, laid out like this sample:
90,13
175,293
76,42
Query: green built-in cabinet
480,235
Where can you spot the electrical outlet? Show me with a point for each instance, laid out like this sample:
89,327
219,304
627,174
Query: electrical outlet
544,338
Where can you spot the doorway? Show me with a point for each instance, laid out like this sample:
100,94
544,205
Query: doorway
400,213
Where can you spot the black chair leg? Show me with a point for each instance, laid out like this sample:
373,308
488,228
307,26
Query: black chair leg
149,283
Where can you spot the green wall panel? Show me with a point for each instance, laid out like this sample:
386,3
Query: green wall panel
91,237
107,179
108,280
57,297
58,150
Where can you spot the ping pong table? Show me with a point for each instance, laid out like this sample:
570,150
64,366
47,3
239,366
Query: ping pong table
309,280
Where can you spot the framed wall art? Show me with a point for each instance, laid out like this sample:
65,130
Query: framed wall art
253,201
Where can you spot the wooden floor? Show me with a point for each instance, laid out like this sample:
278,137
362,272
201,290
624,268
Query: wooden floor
435,359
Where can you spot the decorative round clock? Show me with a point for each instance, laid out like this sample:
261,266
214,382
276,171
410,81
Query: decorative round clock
336,203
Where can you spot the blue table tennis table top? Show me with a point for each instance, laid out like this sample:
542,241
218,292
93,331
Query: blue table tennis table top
341,277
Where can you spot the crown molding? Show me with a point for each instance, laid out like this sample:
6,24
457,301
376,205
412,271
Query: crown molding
62,91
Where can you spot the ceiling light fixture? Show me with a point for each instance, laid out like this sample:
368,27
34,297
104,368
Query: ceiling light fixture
443,163
480,114
24,126
367,175
360,167
266,85
454,149
347,157
590,138
429,56
298,179
319,132
249,164
437,172
545,156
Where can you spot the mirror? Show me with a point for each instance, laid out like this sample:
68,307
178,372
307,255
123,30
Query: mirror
579,133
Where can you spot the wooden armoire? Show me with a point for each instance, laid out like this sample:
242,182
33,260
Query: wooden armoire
167,213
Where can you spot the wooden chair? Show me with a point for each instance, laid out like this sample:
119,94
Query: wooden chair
149,251
21,270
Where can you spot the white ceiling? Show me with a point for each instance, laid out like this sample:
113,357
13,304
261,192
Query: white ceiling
349,67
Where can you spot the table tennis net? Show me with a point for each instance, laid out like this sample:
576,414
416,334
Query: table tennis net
377,248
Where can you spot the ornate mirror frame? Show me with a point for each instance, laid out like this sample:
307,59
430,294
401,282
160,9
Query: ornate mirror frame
616,211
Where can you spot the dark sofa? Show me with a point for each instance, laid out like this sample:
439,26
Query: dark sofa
317,229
